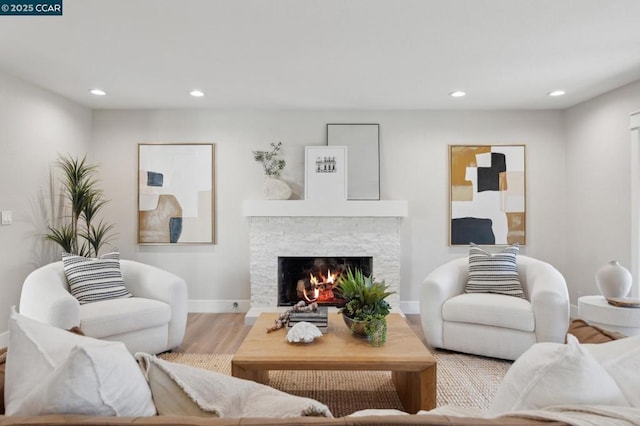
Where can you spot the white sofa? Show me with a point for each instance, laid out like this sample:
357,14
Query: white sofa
152,321
494,325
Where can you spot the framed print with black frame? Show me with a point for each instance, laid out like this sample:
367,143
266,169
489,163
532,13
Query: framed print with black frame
363,147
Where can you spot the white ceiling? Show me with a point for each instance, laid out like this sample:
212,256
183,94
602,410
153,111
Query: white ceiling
319,54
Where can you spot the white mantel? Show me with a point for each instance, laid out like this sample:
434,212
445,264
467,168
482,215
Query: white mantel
321,208
321,229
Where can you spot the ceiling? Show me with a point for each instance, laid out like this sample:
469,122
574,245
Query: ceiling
327,54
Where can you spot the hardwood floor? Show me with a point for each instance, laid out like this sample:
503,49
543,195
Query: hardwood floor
223,333
213,333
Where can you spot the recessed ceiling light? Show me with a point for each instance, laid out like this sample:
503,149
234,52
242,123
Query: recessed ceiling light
196,93
556,93
458,94
98,92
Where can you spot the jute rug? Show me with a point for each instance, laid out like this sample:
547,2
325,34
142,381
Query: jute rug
463,380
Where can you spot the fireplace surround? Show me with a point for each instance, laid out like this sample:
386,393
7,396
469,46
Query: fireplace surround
306,228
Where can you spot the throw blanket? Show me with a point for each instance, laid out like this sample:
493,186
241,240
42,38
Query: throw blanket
584,415
227,396
575,415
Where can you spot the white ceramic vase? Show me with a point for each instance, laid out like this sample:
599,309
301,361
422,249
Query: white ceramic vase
276,189
613,280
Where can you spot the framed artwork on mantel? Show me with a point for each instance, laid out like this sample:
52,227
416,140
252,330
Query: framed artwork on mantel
176,193
363,146
325,173
487,194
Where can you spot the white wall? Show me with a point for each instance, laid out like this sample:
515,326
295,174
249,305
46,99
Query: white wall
598,183
414,166
35,126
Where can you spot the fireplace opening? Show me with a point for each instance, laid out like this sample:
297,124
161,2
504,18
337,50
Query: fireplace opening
313,279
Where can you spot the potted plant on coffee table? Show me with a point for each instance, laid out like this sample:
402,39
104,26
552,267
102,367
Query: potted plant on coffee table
365,311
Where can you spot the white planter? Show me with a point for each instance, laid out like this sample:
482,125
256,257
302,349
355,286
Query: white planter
613,280
276,189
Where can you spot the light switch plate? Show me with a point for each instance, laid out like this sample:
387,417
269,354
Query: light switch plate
7,217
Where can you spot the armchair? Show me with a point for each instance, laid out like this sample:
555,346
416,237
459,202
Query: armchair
494,325
152,321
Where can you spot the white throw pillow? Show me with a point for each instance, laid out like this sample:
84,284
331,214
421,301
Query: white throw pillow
555,374
48,368
621,359
95,381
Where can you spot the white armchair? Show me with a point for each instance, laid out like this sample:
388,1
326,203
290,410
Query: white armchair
489,324
152,321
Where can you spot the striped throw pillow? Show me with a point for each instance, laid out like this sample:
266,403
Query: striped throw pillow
92,280
494,273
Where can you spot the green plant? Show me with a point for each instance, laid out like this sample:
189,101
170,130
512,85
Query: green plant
365,302
78,231
272,165
364,297
375,327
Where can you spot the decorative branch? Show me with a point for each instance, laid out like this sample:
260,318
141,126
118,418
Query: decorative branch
272,165
282,319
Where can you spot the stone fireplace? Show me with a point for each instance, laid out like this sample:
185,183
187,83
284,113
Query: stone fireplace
304,228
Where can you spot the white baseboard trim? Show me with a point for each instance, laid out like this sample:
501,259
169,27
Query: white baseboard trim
222,306
410,307
573,311
4,339
218,306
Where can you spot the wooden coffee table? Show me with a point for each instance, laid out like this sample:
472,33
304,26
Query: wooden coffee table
412,365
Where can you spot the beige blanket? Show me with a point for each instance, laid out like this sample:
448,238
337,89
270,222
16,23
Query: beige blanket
584,415
227,396
575,415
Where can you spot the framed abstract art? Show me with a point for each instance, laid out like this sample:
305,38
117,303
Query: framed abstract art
487,195
176,193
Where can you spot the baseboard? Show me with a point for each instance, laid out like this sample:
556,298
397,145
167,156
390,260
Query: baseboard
4,339
218,306
410,307
573,311
221,306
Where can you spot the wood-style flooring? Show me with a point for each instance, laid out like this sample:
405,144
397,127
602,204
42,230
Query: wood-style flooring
223,333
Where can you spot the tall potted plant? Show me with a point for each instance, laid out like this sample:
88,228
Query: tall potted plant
365,310
78,230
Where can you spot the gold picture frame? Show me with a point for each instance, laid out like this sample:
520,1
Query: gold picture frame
176,193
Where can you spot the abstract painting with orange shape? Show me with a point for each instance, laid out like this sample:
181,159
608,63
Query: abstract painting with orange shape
175,194
487,194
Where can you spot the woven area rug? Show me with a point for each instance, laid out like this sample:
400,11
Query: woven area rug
463,380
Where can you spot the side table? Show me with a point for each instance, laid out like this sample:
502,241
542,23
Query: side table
597,311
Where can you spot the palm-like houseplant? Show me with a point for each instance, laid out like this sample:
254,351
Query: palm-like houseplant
366,309
78,230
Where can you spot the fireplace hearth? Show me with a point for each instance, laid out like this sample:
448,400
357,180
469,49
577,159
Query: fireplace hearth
313,279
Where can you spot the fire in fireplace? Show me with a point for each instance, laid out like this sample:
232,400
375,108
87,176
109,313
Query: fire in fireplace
313,279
